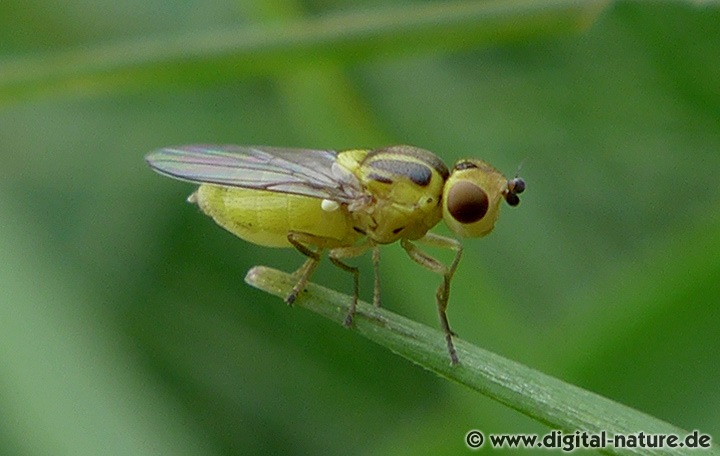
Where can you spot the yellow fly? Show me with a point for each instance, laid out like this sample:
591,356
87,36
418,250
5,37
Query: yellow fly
344,202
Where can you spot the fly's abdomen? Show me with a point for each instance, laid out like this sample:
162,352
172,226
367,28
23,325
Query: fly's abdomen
266,218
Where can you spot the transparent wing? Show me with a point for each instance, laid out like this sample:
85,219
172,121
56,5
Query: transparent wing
298,171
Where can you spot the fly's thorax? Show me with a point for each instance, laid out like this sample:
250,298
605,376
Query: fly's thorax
406,186
472,196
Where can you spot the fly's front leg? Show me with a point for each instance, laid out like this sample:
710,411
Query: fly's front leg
339,253
443,291
436,240
299,241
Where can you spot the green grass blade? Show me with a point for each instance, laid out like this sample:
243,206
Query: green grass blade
558,404
212,56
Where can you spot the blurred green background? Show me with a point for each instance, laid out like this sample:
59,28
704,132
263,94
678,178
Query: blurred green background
125,324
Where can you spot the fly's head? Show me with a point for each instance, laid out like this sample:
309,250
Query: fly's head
472,197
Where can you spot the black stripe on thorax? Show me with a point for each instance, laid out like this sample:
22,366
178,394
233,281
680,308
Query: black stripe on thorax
418,173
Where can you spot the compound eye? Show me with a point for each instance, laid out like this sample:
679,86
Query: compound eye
467,203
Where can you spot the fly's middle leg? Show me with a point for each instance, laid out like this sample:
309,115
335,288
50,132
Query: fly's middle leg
339,253
376,273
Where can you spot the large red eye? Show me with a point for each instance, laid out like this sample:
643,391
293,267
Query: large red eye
466,202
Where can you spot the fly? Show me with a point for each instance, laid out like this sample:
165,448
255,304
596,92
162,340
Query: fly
344,203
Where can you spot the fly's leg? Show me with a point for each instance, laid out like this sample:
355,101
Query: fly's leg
376,271
436,240
339,253
443,291
298,240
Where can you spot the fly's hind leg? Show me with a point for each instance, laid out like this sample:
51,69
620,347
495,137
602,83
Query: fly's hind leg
443,291
339,253
301,241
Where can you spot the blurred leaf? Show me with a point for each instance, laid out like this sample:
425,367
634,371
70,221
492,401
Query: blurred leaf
210,57
67,381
